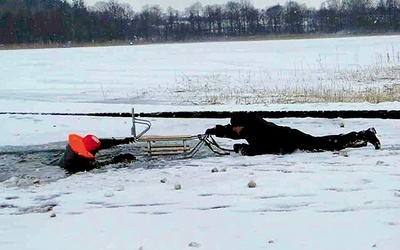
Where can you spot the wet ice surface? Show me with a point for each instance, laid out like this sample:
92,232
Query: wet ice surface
28,165
24,165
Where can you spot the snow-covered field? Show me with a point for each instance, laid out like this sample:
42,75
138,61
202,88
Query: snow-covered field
345,200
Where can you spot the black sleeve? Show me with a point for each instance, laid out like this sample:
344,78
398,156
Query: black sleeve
223,131
229,133
106,143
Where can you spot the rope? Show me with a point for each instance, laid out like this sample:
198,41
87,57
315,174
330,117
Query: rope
210,142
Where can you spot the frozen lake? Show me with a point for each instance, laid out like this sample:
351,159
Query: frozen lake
303,201
197,73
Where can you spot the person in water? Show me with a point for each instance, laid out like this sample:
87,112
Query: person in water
80,152
265,137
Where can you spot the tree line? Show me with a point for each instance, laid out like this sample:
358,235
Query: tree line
62,21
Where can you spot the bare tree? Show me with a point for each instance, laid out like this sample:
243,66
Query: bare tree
195,17
275,16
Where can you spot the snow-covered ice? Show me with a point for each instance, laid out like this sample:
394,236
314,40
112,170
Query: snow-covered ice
345,200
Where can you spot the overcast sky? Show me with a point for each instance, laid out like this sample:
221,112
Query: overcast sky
182,4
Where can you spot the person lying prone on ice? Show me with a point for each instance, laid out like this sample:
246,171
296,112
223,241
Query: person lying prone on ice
80,153
265,137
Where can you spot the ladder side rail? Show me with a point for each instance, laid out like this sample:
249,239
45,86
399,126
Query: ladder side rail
135,121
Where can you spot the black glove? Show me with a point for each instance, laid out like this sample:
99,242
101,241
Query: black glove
124,158
236,147
219,130
242,148
128,140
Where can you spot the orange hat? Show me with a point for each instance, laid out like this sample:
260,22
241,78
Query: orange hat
83,145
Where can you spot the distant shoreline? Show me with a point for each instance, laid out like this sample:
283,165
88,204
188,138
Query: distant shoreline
228,39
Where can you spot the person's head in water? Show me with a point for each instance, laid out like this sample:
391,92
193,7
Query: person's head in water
86,146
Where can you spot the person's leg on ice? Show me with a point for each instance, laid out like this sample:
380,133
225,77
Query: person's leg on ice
341,141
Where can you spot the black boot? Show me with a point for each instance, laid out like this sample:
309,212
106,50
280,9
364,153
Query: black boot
370,136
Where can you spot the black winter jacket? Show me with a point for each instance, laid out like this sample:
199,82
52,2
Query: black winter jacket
265,137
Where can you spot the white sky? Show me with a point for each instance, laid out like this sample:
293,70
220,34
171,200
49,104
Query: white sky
182,4
302,201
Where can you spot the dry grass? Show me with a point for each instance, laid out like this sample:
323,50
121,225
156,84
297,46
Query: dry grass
380,83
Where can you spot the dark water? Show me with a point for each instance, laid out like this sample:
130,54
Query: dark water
26,165
29,163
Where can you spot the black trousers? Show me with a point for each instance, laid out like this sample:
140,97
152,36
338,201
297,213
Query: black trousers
329,142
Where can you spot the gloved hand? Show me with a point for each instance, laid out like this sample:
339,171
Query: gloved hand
124,158
237,148
241,148
128,140
219,130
